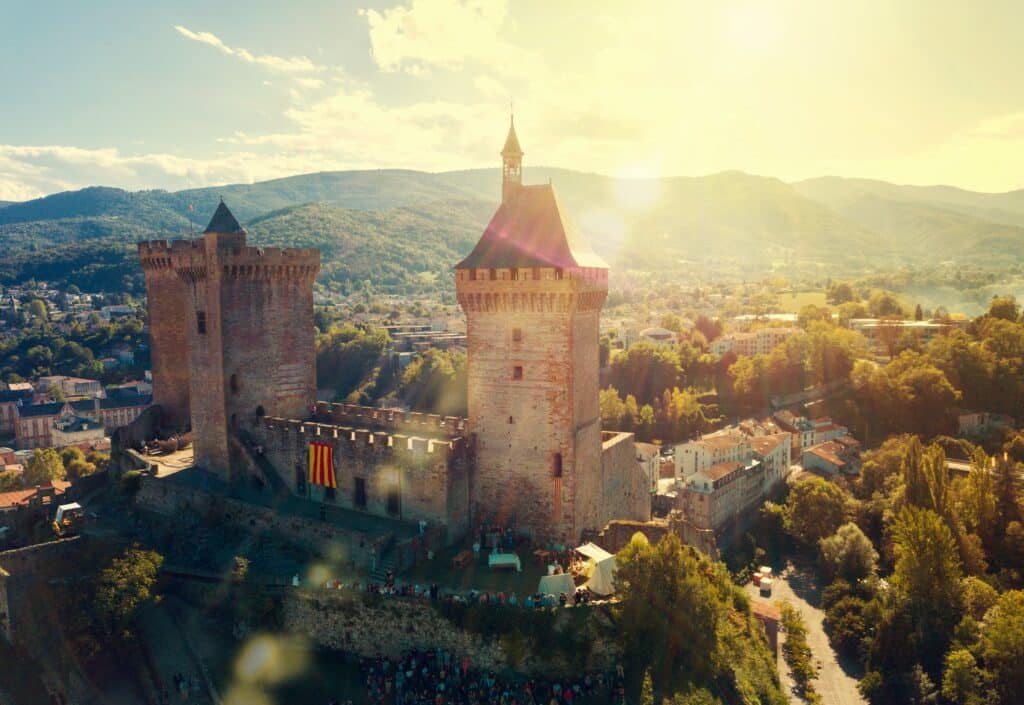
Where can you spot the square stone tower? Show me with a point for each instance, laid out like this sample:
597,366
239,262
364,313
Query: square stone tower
532,291
246,315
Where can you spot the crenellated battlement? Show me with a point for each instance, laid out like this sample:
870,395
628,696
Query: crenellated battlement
361,441
192,260
346,414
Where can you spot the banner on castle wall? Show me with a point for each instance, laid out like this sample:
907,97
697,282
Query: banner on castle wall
321,465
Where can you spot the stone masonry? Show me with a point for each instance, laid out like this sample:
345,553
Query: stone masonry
248,324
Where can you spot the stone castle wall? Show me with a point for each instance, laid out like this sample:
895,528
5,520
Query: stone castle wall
369,625
170,498
168,316
429,476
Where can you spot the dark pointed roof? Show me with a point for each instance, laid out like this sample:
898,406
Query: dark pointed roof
222,221
531,230
512,148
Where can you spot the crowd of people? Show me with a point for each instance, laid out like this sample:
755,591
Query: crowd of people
391,588
438,677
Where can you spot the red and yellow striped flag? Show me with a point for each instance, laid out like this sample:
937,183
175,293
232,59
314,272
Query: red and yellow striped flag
321,465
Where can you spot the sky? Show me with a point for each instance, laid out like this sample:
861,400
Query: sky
139,94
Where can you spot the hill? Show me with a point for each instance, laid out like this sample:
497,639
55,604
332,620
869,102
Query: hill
368,219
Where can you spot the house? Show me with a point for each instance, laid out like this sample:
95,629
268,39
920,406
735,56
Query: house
36,423
759,342
9,402
70,386
972,423
721,494
73,430
833,457
774,451
729,445
41,497
799,427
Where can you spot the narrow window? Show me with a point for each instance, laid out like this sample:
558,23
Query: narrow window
510,420
234,384
558,273
517,372
556,465
515,274
494,274
517,335
201,322
359,500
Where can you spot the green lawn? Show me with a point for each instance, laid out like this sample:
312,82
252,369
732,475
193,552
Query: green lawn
477,575
792,303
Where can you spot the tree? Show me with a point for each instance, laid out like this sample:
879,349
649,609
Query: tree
44,466
1002,643
10,480
37,309
668,611
70,454
80,468
882,303
918,313
962,679
1004,307
437,382
645,371
927,579
848,554
815,509
124,586
797,652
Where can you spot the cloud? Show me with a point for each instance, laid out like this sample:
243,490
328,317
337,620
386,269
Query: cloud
294,64
446,34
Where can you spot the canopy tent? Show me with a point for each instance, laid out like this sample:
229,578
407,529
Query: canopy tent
556,585
603,569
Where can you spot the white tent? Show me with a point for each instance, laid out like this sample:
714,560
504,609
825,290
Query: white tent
556,585
603,569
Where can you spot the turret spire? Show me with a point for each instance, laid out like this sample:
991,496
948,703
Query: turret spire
512,164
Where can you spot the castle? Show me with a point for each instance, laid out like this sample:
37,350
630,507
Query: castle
233,355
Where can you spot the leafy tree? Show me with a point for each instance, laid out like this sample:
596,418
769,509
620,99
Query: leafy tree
668,612
124,586
1002,641
645,370
918,313
80,468
962,679
37,309
883,303
848,554
815,509
1004,307
10,480
979,597
927,578
70,454
797,652
346,358
840,293
437,382
44,466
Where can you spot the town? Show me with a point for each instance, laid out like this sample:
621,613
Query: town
450,352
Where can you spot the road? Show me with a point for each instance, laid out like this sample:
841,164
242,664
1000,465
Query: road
834,684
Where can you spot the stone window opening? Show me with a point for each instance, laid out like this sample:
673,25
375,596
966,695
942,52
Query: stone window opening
556,465
510,420
517,335
201,322
558,273
234,384
517,372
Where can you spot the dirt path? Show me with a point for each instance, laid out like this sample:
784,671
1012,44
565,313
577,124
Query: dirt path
171,655
799,588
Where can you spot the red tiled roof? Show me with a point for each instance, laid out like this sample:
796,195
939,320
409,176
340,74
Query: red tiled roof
531,230
824,452
717,472
9,500
766,444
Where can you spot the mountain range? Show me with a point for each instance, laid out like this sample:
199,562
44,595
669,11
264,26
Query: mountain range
402,229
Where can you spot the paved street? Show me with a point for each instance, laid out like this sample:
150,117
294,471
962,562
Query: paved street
799,588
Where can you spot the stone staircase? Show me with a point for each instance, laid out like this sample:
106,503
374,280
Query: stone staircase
388,561
246,443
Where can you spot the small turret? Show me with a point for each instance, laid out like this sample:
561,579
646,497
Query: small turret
512,165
